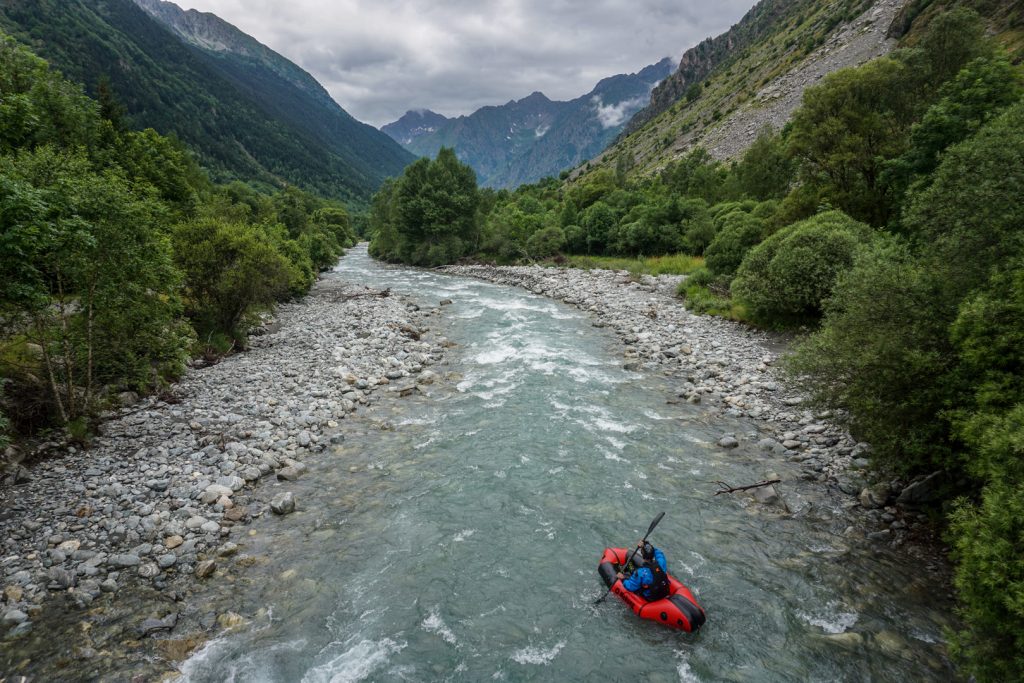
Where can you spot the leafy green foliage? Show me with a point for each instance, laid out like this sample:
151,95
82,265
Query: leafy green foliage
91,275
983,89
856,119
91,281
788,277
882,354
766,169
428,216
231,271
988,533
738,234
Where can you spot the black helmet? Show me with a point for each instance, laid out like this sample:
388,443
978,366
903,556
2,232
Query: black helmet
647,552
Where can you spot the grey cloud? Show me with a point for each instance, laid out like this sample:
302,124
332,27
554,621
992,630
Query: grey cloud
379,58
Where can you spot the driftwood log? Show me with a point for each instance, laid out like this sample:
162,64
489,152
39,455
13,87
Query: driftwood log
725,488
382,293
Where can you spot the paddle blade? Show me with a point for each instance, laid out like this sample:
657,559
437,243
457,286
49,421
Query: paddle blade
654,524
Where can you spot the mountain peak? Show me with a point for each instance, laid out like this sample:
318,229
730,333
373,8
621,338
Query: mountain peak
413,124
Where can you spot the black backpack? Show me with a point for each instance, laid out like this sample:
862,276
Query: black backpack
659,587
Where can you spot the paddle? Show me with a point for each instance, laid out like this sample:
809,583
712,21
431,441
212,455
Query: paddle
649,530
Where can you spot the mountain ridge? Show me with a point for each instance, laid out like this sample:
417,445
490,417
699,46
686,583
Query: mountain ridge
527,139
242,119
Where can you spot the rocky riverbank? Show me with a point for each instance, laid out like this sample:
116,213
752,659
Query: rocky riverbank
162,495
726,368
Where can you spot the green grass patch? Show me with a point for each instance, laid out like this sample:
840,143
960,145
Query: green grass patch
675,264
705,300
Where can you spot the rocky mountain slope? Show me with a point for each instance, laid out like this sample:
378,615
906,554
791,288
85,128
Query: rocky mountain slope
525,140
245,111
414,124
728,88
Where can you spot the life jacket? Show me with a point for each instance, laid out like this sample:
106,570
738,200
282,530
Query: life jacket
658,587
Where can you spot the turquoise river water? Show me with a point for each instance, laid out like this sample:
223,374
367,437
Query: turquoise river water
462,545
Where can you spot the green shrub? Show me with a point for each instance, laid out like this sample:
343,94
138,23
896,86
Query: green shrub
987,533
698,228
882,355
546,242
740,232
232,270
786,278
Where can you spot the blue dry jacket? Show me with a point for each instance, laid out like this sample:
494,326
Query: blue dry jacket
635,581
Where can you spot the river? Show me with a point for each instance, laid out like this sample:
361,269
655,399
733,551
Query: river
455,536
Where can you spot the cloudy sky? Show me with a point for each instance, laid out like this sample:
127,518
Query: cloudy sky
379,58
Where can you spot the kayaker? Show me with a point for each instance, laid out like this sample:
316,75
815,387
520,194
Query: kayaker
650,578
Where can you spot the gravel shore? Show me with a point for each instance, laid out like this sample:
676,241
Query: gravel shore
727,368
160,495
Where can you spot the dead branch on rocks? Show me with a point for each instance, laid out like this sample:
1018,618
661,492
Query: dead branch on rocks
725,488
381,293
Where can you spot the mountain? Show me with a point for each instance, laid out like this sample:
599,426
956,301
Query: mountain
246,111
728,88
525,140
414,124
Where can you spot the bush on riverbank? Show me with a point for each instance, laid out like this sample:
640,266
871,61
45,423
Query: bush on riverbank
116,250
789,275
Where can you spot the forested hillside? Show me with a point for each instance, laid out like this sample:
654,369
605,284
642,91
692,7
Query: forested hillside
121,260
244,114
886,219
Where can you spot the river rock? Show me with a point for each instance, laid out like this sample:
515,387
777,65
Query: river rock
874,497
166,561
283,503
195,522
229,620
123,561
14,616
218,490
728,441
236,514
149,570
70,546
173,542
62,578
768,496
150,626
288,474
205,569
922,491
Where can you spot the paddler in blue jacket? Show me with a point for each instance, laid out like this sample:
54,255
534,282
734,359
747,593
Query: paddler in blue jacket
650,578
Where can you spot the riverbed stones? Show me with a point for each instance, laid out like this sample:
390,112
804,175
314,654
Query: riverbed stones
162,485
283,503
151,626
728,441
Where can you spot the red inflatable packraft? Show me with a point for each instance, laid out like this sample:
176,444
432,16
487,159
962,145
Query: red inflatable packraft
678,610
